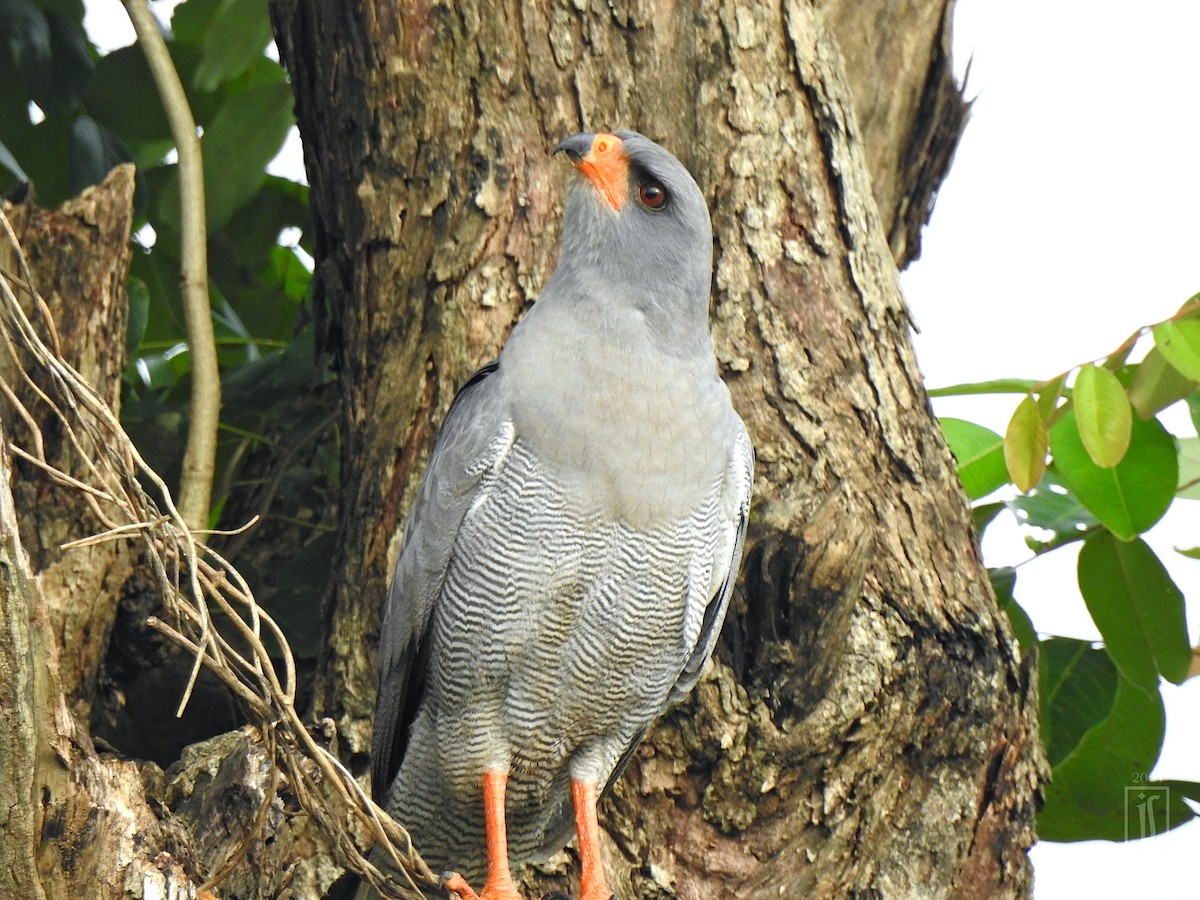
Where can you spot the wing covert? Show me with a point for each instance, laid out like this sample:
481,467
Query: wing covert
739,480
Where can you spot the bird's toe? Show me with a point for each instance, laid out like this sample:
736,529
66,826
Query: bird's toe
457,885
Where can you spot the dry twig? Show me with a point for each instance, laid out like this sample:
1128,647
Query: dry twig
194,580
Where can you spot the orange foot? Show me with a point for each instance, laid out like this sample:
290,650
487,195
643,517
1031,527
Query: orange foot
495,889
456,884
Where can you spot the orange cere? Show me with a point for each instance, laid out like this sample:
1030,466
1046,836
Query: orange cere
607,168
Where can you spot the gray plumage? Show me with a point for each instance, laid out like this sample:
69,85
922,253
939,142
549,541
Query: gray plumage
566,566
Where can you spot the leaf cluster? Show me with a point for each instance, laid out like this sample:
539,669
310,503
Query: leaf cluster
1094,463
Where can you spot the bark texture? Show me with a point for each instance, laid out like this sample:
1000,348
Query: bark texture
78,822
78,258
910,110
869,728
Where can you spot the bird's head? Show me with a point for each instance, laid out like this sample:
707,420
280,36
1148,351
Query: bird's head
637,223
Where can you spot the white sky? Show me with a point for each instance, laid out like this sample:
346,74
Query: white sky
1071,216
1069,219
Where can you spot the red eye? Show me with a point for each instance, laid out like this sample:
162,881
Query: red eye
652,194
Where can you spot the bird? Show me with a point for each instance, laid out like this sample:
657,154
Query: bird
568,560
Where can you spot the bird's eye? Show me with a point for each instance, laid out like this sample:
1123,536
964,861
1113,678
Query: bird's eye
652,194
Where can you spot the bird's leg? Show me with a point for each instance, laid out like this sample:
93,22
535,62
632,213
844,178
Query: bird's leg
592,885
499,884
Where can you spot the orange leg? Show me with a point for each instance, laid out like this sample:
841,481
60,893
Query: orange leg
499,884
592,885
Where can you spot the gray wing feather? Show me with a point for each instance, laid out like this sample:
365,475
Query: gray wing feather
477,419
740,477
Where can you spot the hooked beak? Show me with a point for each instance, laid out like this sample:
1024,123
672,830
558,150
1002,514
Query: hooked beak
601,158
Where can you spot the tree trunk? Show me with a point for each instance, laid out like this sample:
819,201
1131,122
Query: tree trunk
78,257
78,822
869,727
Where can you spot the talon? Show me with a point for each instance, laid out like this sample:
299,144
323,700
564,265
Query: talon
456,884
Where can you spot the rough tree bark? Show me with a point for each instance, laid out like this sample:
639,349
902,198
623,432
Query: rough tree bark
78,822
869,729
79,257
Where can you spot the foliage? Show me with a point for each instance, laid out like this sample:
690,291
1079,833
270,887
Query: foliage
94,111
1094,464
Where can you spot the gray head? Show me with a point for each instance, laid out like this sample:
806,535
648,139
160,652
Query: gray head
636,230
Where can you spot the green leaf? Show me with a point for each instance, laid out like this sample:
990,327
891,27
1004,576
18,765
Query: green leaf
289,276
42,150
263,282
1190,552
982,515
1131,496
163,370
1025,445
1089,792
238,35
243,136
1179,342
1137,608
254,230
1048,396
980,455
1189,468
1003,581
1076,688
122,95
191,21
51,53
1052,507
1103,415
92,152
1193,405
1139,808
1022,626
1189,789
138,296
85,153
9,162
996,386
1156,385
72,65
27,42
159,271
